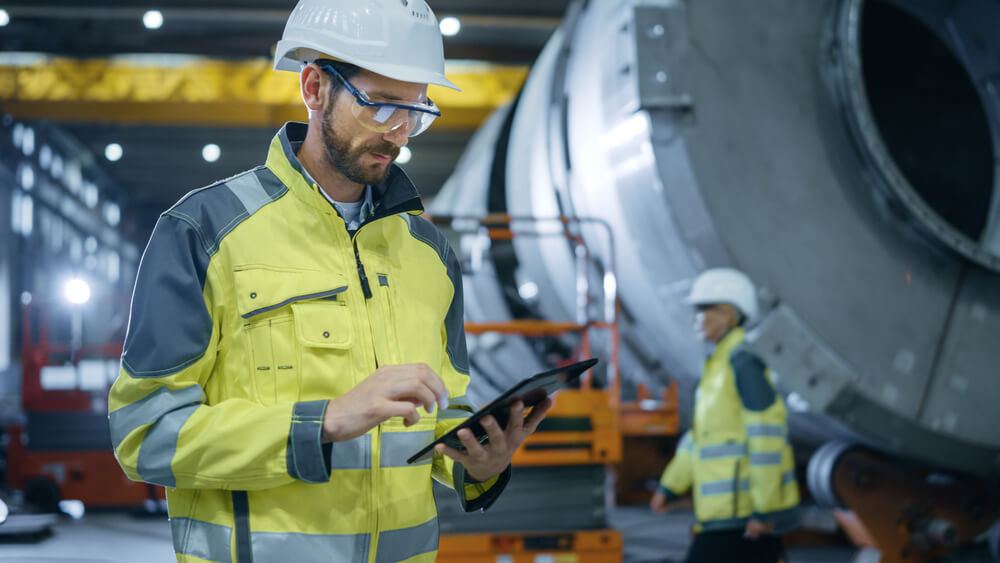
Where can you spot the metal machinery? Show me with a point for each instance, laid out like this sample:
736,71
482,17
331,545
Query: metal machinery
844,153
63,448
555,506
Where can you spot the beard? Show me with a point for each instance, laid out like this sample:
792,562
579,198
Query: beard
347,159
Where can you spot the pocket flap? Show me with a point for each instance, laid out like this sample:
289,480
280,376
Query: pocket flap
322,325
260,289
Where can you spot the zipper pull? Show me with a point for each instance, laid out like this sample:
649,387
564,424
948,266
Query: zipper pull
364,282
361,274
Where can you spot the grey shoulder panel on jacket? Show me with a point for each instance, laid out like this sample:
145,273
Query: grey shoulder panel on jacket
428,233
170,327
215,210
756,391
425,231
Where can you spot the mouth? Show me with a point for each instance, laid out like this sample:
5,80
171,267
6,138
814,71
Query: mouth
383,158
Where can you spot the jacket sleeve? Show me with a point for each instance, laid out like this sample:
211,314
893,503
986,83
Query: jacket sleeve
163,428
678,476
472,495
765,419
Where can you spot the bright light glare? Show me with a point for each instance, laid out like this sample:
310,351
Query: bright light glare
112,213
211,152
528,290
4,18
153,19
404,155
74,508
797,403
450,26
113,152
77,291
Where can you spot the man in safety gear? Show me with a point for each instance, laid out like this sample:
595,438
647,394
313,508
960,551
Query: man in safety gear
297,332
736,458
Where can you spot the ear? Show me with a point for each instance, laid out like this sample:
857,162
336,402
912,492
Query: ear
734,315
313,87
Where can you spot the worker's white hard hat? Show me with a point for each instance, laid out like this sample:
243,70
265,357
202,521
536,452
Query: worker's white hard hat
395,38
725,285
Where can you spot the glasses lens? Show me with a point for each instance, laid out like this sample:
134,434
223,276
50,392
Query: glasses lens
701,308
384,118
420,121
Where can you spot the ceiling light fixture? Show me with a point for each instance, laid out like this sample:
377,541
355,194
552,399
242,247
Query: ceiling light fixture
450,26
153,19
211,152
404,155
113,152
4,17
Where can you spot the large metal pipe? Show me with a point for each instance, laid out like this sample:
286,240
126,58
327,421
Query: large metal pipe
842,152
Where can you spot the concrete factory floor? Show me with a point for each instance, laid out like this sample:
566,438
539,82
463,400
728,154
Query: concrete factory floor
123,538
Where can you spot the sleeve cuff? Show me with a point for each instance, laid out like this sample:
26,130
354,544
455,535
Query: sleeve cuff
668,494
306,456
473,495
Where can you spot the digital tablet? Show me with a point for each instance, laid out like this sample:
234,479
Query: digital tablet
530,391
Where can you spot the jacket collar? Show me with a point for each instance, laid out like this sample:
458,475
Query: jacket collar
728,342
396,194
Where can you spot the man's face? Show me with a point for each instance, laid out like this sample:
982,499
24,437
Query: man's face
712,322
362,155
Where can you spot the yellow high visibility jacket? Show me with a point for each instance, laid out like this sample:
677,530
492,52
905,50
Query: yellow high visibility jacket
736,457
253,306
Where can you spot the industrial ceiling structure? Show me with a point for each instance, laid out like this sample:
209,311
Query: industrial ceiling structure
104,76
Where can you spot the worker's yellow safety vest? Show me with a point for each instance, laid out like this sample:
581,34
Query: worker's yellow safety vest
736,459
253,306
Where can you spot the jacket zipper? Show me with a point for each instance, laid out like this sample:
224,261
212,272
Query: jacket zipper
411,205
376,463
736,490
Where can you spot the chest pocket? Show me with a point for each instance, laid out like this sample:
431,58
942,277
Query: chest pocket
284,313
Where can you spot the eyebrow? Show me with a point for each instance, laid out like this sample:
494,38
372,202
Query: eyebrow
376,94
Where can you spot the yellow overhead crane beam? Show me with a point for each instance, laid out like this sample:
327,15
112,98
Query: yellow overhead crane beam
210,92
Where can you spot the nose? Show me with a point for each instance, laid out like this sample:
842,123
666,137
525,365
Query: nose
398,135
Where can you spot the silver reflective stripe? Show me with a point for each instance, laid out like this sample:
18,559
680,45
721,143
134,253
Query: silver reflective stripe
281,547
159,445
788,477
400,545
397,447
722,450
453,413
723,487
203,540
765,458
765,431
458,407
150,408
352,454
248,189
462,402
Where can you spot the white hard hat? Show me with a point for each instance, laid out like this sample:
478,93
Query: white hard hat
395,38
725,285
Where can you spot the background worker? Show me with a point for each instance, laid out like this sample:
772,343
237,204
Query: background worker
297,329
736,459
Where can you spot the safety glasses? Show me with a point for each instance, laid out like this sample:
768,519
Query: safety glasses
383,117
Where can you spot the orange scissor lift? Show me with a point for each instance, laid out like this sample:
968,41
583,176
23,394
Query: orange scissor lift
79,464
611,420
